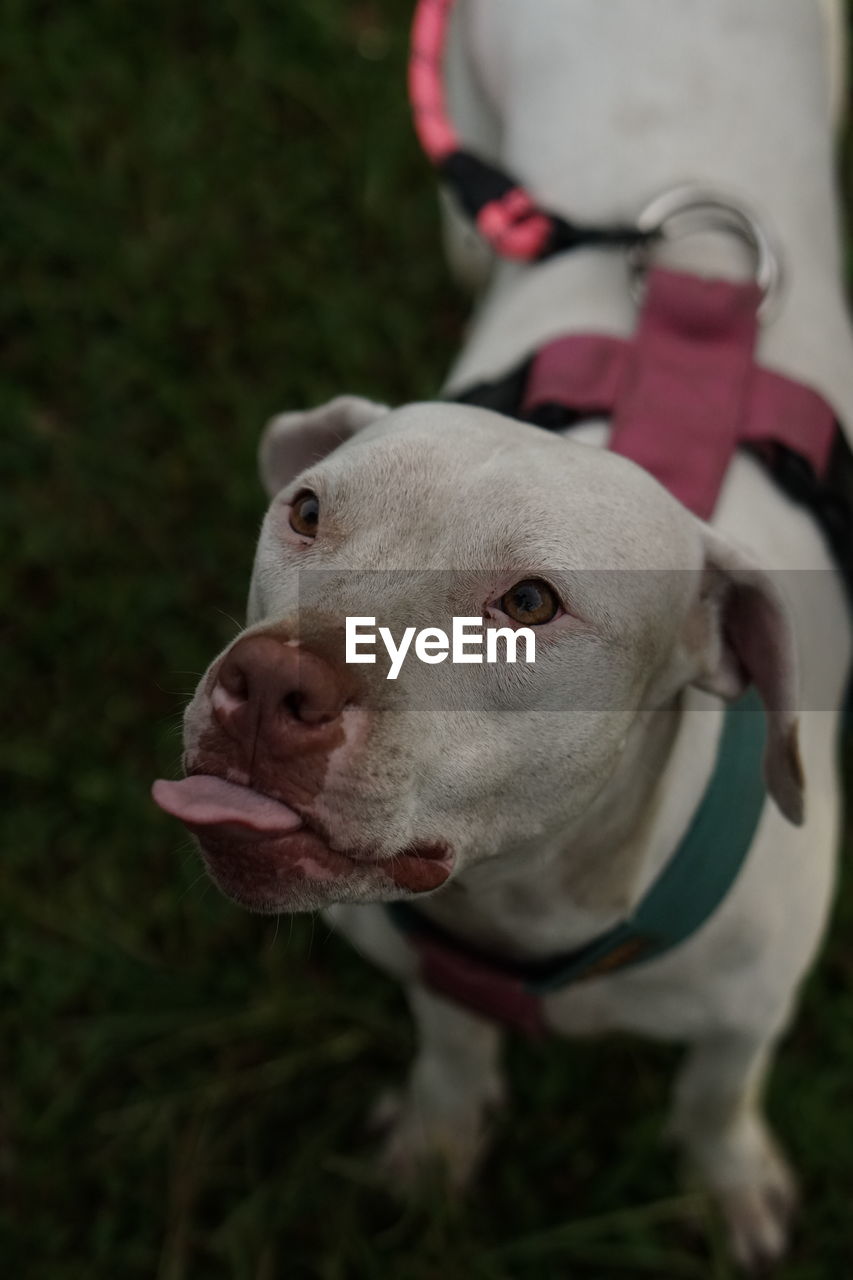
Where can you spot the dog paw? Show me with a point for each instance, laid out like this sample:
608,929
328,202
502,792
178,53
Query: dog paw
421,1148
416,1152
759,1217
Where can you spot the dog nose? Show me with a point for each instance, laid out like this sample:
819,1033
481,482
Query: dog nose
277,690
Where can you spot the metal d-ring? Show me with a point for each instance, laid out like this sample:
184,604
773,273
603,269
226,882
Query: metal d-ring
686,210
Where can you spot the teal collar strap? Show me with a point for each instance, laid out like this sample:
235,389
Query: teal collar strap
685,894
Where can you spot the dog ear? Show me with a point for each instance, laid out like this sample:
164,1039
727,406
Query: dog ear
741,631
293,441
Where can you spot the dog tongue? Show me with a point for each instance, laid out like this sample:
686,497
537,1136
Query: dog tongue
206,801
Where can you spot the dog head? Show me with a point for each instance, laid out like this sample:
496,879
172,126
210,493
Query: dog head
311,780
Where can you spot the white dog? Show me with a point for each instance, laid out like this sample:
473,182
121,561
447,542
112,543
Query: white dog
530,808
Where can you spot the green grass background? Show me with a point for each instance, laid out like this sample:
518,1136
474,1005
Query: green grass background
209,213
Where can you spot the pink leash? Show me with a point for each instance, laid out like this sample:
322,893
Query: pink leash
505,213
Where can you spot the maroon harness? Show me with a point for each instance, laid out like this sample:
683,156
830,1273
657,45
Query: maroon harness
686,392
682,396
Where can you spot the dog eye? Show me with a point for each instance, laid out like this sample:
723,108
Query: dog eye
531,602
305,514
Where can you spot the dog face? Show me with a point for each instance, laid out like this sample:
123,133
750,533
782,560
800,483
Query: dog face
312,781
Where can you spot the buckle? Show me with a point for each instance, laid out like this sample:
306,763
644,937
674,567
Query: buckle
686,210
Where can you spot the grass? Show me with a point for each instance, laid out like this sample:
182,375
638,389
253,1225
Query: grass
212,212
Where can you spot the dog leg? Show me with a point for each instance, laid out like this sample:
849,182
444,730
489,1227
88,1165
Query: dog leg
717,1118
455,1083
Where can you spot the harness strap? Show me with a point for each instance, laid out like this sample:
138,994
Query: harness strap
680,408
685,392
